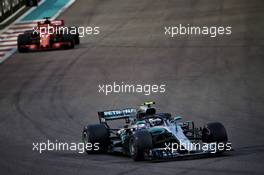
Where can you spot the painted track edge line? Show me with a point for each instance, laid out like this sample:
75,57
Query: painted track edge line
7,55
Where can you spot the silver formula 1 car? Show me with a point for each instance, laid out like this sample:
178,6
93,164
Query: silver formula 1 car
148,135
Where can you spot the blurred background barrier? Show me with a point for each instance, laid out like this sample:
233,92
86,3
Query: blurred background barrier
10,7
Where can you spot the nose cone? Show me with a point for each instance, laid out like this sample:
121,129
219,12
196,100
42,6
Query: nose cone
45,41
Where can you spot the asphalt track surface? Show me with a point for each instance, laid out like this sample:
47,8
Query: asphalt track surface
52,95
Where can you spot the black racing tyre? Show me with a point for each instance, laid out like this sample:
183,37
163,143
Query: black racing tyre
28,31
23,39
32,33
77,39
69,38
140,144
74,32
31,3
96,134
214,132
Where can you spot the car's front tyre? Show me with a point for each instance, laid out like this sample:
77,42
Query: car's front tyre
140,144
214,132
22,40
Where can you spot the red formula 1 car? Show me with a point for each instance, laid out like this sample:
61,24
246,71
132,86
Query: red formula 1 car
48,35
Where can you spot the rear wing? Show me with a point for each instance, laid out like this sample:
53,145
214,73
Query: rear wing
117,114
52,23
57,22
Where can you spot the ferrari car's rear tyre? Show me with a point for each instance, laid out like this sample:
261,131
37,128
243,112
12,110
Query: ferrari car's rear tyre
214,132
23,39
77,39
96,134
140,145
31,3
74,32
32,33
69,38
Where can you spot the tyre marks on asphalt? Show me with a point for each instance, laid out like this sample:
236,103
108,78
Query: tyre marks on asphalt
19,105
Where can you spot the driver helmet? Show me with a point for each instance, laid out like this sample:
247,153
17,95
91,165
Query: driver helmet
145,110
47,21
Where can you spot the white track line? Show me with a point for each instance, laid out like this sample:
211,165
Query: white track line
8,43
6,48
9,38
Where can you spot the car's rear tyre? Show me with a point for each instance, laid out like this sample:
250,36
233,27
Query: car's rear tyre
69,38
23,39
32,33
140,144
96,134
74,31
77,39
214,132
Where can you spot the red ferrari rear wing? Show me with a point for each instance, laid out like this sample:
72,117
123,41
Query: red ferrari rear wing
52,23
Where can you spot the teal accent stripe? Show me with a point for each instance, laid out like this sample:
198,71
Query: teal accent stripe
47,9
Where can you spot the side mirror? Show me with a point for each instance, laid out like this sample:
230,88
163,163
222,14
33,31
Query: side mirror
177,118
